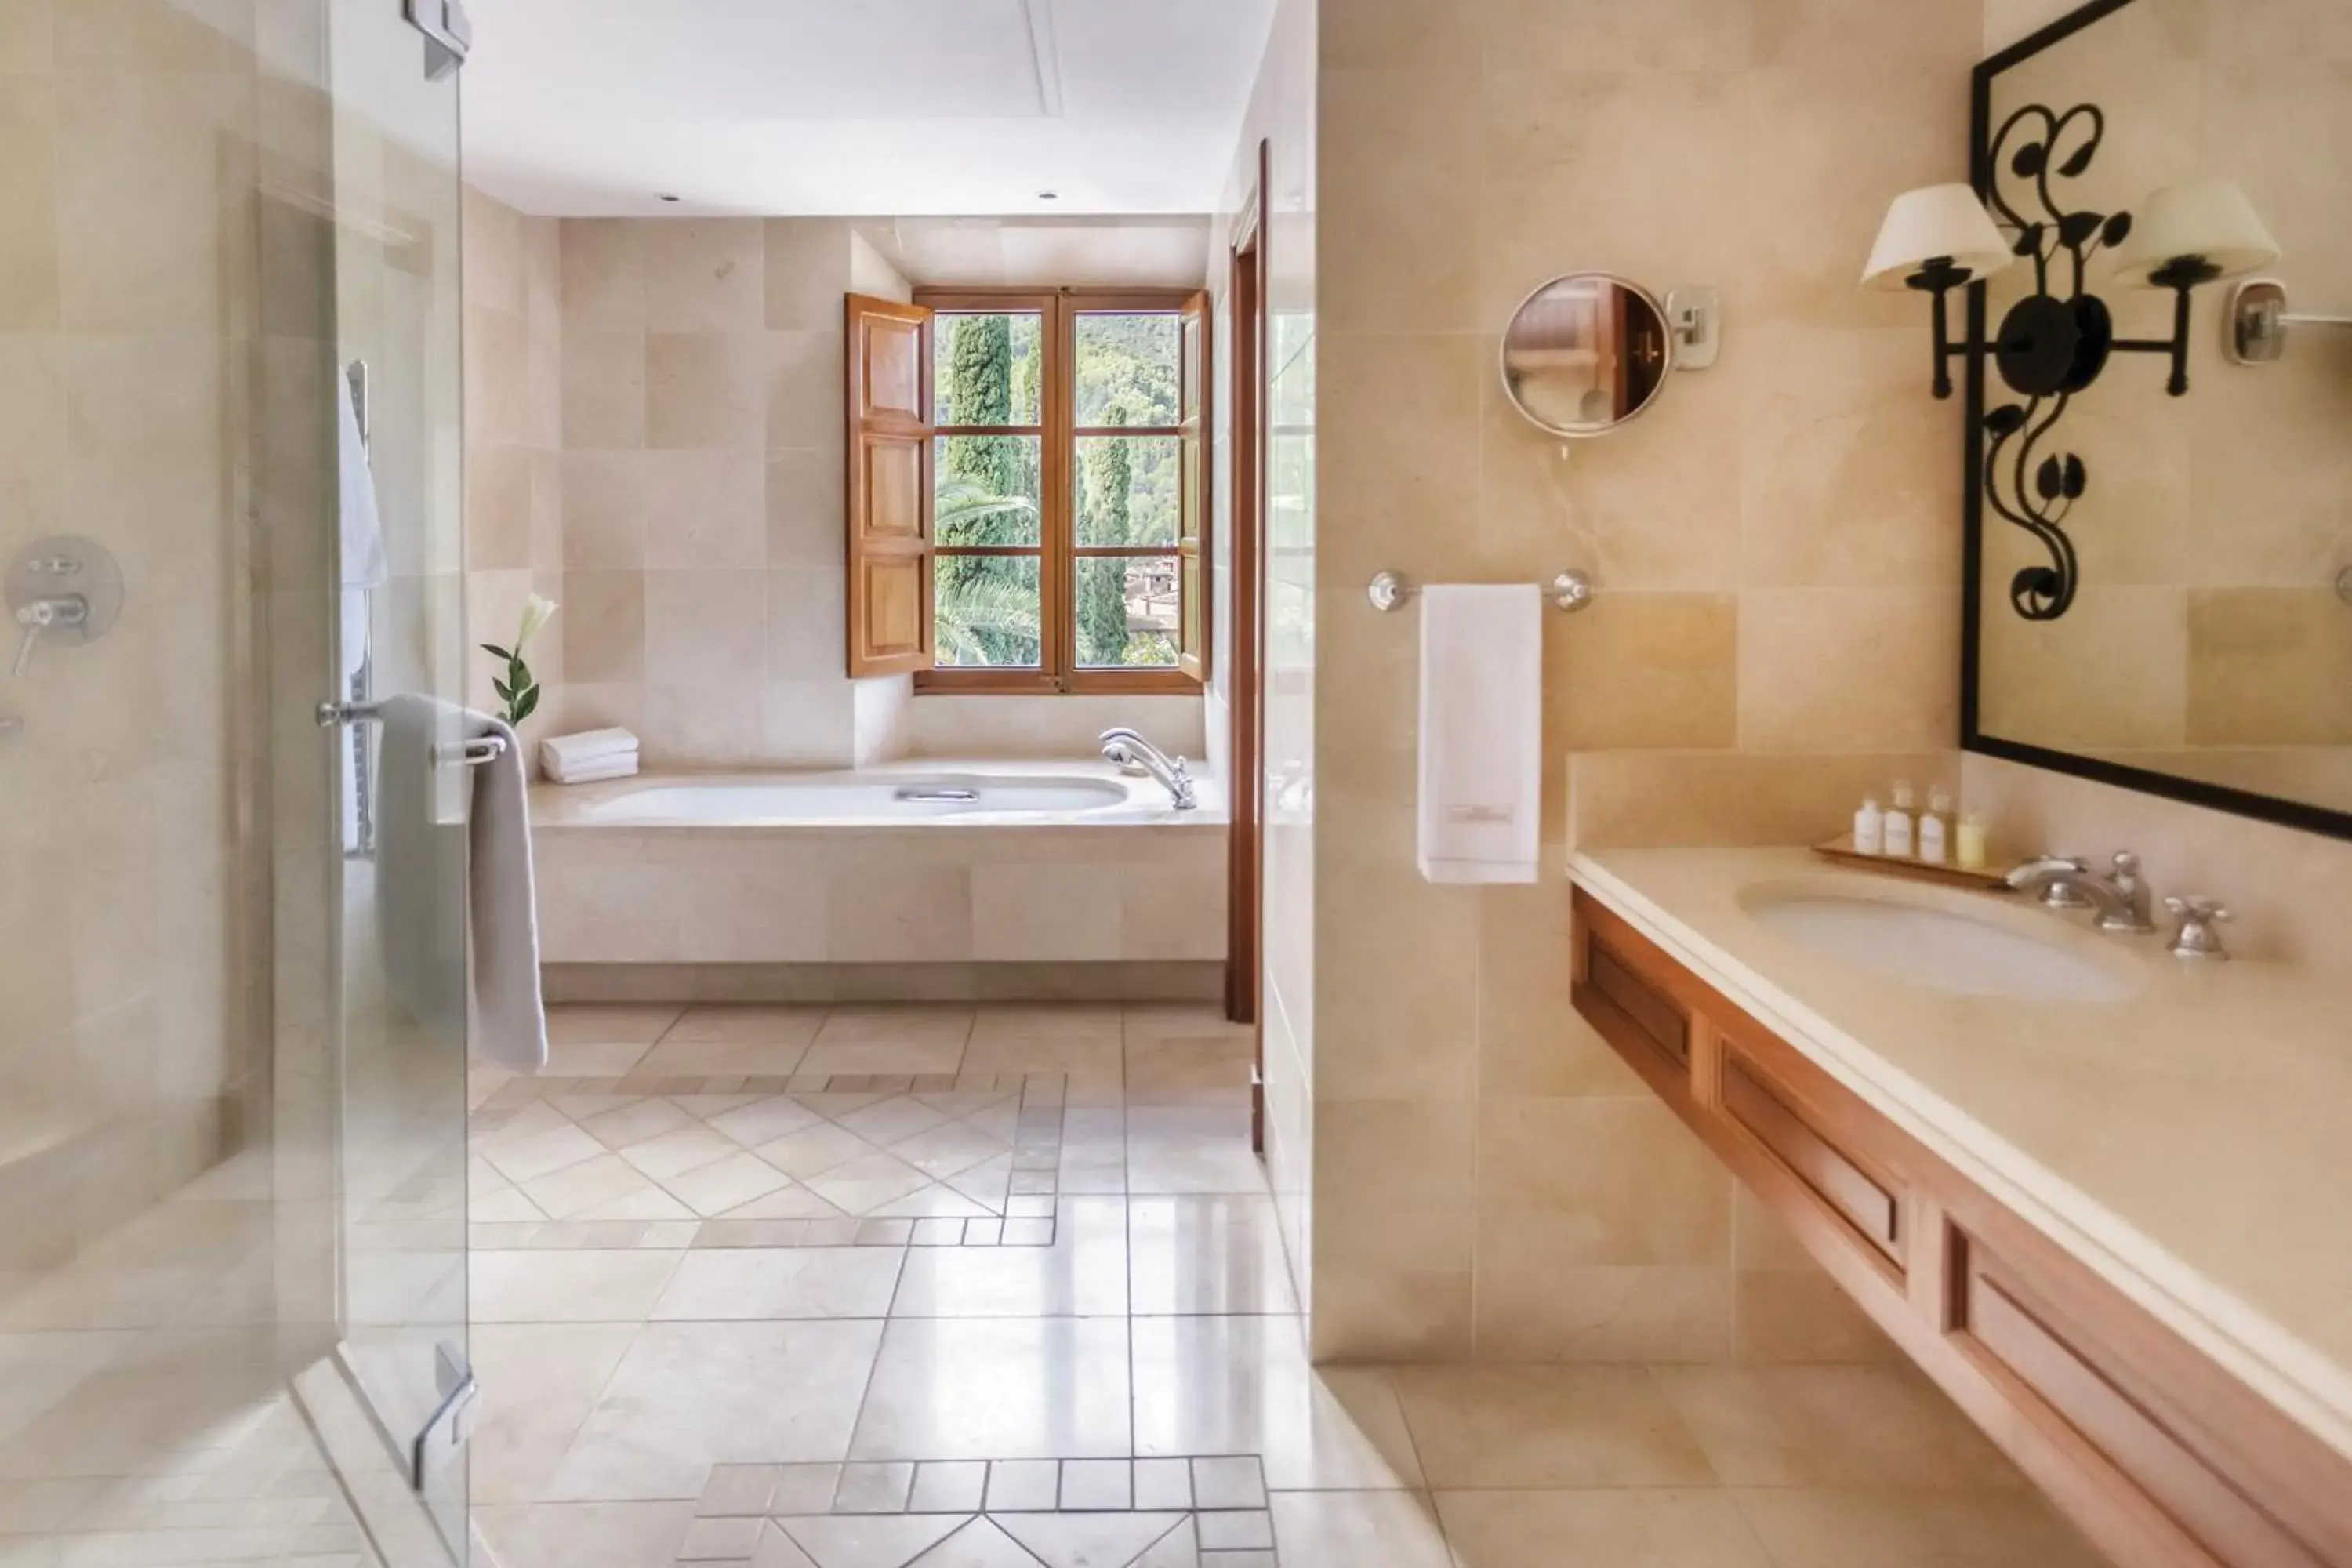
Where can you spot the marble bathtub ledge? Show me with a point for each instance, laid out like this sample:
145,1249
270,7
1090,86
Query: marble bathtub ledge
1894,1044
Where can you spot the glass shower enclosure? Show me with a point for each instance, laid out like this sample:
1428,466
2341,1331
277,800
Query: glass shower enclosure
233,1014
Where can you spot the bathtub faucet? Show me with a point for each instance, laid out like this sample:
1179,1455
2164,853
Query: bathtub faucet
1134,754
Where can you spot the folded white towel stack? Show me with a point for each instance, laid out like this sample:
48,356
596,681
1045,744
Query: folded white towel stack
587,757
1481,732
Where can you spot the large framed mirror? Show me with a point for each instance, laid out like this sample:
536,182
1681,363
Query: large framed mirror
2158,569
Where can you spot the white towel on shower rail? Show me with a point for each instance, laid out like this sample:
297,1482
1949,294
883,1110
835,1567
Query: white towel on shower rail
1481,732
478,975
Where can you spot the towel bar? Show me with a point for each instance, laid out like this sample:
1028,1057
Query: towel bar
1570,590
479,751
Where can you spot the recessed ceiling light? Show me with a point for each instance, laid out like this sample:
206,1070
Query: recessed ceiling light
1049,196
667,197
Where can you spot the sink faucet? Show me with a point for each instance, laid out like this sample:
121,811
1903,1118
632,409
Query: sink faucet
2120,895
1134,754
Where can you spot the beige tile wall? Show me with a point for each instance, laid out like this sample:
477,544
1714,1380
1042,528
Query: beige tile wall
1778,550
701,420
134,924
514,448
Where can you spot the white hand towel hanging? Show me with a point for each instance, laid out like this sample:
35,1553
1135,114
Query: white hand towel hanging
1481,732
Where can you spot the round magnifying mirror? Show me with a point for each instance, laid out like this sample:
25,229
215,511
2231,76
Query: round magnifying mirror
1586,353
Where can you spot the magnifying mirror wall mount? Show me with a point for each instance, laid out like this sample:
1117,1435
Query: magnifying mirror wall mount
1588,352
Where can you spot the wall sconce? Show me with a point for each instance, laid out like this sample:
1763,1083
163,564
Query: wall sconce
2056,340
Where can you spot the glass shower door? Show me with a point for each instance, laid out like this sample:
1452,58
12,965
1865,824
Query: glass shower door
403,785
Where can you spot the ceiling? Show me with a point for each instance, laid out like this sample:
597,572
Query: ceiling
597,107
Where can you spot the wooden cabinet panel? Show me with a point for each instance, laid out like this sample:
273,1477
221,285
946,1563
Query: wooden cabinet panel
1859,1198
2162,1458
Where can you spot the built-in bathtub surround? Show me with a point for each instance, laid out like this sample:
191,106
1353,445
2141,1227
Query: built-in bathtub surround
1775,547
1054,882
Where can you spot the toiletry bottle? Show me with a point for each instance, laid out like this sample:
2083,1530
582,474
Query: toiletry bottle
1898,821
1973,850
1870,828
1934,828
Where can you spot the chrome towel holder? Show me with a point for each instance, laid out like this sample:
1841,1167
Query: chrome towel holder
1570,592
479,751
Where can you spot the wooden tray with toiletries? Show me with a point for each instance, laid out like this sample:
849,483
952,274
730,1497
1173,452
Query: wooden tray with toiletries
2157,1453
1982,878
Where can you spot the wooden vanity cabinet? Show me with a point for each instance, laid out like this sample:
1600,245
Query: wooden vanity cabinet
2160,1457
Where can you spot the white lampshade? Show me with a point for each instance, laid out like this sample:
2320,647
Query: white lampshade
1932,222
2210,220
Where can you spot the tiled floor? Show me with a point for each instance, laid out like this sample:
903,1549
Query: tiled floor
144,1417
700,1341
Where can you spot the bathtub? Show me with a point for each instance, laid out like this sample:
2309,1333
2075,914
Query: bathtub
867,797
931,879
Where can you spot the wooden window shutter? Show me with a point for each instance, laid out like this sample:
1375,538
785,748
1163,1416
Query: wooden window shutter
1192,479
890,532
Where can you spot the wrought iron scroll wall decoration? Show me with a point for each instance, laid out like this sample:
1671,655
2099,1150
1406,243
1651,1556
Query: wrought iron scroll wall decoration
2055,341
2050,346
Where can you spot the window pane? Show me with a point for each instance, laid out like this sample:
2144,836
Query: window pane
1128,490
985,487
1126,611
987,369
989,611
1130,369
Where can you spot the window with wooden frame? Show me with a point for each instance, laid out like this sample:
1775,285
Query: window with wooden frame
1062,497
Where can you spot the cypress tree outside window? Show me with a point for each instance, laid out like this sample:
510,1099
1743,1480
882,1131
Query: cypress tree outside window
1064,492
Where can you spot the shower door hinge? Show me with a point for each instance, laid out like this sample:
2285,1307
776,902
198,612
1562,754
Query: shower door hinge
451,1424
448,34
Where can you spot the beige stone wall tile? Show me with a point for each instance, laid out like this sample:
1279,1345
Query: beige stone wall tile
1846,470
1397,35
2266,667
2113,671
1393,1181
1175,910
705,275
1045,912
1400,159
604,394
1834,669
604,630
28,244
1412,1032
768,905
805,506
1731,799
705,389
25,37
605,507
1597,1181
1638,669
1531,1040
706,509
499,507
1364,1314
492,255
911,913
705,629
1559,37
805,388
497,375
1399,430
806,273
698,726
1604,1312
1571,172
603,274
1863,40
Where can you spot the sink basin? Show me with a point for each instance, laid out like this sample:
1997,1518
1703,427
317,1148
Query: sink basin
1930,943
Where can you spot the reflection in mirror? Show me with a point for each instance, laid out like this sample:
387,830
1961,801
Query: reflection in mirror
1586,353
2208,650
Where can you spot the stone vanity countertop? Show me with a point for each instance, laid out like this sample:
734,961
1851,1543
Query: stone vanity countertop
2191,1143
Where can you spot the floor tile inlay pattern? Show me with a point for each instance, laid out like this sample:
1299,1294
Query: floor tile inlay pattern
1003,1287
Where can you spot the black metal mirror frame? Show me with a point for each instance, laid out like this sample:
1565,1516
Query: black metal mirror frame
2195,791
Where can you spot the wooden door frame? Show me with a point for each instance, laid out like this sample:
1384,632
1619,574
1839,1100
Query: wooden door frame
1245,297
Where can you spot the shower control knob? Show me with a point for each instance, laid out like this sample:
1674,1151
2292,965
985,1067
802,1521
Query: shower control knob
62,590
